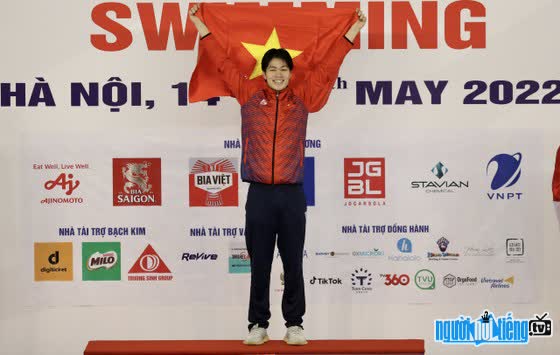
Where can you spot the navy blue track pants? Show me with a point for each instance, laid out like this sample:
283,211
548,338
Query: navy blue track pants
276,210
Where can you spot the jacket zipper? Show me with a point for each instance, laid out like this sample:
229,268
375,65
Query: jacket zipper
274,137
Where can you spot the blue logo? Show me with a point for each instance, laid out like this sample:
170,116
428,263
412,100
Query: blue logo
309,180
439,170
508,171
404,245
489,329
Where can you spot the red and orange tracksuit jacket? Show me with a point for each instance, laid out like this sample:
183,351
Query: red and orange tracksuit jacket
273,124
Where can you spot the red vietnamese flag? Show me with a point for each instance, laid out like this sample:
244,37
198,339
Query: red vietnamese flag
309,33
556,178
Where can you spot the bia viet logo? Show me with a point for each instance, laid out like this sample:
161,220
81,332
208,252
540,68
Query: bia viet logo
213,183
506,173
149,263
137,182
364,178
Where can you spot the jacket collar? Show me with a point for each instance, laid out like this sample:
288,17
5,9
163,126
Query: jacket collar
271,93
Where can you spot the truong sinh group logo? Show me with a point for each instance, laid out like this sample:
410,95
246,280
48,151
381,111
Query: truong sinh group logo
137,182
149,267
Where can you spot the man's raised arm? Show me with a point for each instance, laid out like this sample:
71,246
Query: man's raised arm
231,76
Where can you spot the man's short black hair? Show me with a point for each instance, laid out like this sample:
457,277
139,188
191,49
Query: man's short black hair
279,53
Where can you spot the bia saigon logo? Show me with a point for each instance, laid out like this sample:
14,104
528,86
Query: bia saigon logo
137,182
364,178
213,183
507,171
489,329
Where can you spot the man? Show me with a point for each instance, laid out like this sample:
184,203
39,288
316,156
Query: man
274,122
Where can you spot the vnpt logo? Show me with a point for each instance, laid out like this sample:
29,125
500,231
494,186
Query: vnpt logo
364,178
489,329
137,182
309,180
404,245
213,182
506,173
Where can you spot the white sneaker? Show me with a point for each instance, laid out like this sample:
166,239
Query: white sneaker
257,336
295,336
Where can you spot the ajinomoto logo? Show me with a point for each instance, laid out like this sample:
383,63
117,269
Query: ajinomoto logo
149,267
101,261
213,182
137,182
53,261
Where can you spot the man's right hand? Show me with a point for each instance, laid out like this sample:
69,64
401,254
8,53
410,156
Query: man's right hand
200,26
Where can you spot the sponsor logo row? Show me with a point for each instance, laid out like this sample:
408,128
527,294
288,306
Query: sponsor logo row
102,261
214,182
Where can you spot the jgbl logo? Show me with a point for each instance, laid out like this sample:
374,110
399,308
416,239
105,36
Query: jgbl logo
508,172
364,178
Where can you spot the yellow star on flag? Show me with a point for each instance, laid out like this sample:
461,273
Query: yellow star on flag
258,51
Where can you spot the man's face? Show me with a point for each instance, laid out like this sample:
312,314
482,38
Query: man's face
277,74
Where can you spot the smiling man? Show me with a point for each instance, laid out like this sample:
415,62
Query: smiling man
273,129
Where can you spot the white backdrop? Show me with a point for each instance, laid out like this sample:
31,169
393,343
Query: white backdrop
204,300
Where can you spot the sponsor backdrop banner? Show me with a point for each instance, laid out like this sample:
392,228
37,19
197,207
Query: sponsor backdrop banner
428,172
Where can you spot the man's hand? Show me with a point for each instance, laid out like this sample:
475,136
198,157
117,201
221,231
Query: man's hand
357,26
200,26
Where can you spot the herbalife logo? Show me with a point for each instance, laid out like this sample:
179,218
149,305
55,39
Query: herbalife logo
102,260
439,170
